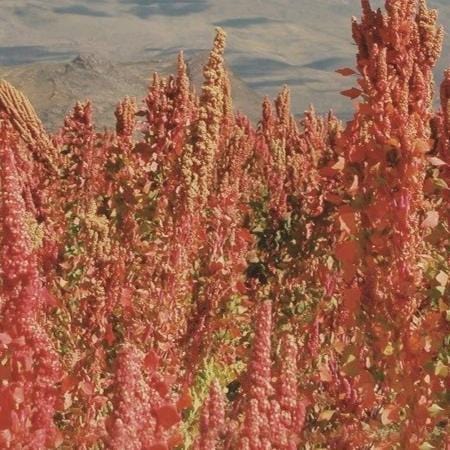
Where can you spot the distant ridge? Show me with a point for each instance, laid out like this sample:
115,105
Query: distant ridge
54,87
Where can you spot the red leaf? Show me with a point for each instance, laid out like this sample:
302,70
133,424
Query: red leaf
215,266
170,379
176,440
365,108
6,405
327,172
234,330
161,387
347,252
333,198
244,234
143,149
68,383
20,341
5,373
167,415
87,388
151,361
241,288
109,335
333,168
49,298
58,439
352,93
347,219
346,71
185,401
158,446
352,298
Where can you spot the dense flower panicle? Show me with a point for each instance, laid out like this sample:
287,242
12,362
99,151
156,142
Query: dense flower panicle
292,405
287,388
126,117
291,158
283,109
256,427
385,148
184,86
443,143
37,159
164,109
18,258
212,419
222,262
78,124
214,108
26,122
31,367
274,412
185,110
132,421
215,87
260,364
233,165
82,158
388,139
143,417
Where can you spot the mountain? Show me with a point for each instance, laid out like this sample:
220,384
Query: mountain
299,43
54,87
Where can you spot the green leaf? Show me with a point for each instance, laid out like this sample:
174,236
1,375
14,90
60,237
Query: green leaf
441,370
426,446
442,278
389,350
439,182
326,415
435,410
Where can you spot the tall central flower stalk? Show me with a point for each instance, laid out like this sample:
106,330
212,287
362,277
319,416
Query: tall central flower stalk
385,147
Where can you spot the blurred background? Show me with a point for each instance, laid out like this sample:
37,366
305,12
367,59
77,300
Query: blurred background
58,51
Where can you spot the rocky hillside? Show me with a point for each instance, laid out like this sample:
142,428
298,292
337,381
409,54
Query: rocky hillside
54,87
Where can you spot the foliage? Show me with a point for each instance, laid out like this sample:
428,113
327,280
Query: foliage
189,280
